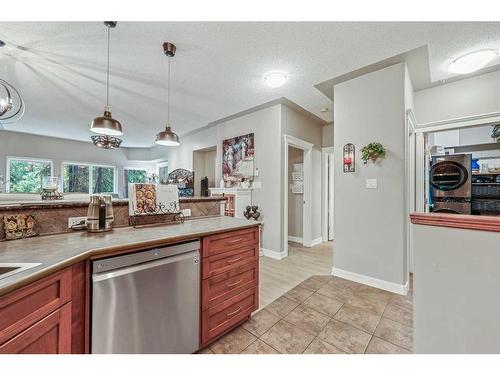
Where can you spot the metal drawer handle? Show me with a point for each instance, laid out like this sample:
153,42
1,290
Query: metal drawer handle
234,260
234,312
234,241
233,284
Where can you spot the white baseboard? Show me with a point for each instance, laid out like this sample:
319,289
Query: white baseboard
295,239
316,241
278,255
371,281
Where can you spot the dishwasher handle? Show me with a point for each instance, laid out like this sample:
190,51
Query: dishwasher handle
195,255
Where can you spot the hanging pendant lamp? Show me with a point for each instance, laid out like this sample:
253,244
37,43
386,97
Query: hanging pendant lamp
106,124
168,137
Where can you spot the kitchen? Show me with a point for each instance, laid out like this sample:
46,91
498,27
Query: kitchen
142,196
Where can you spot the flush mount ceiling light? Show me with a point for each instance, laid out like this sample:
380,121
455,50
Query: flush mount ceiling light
106,124
472,61
106,142
11,103
168,137
275,79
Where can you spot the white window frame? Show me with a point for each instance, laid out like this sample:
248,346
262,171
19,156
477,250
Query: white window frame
23,158
160,165
91,166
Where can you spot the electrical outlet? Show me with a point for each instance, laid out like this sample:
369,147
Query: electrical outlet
186,212
76,221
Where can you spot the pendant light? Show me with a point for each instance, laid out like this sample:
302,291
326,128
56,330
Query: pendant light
106,124
11,103
168,137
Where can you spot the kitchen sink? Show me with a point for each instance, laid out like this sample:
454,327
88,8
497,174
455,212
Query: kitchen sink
9,269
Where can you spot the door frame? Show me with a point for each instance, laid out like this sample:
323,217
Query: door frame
410,173
326,176
422,157
306,147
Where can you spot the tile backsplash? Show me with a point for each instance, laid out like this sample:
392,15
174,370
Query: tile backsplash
54,219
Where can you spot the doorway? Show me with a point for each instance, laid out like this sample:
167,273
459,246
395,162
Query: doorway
295,196
204,170
327,194
306,149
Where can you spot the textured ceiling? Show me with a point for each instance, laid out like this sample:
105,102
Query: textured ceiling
218,69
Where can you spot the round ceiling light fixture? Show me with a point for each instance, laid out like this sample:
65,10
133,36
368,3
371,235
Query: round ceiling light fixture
167,137
473,61
106,124
275,79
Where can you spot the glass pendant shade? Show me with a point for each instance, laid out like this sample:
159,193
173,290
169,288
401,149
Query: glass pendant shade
106,124
167,138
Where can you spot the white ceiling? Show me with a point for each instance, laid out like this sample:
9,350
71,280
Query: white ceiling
218,69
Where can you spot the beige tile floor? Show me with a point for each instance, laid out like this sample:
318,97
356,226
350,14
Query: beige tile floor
322,314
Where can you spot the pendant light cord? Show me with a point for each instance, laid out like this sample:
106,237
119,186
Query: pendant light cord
107,73
168,93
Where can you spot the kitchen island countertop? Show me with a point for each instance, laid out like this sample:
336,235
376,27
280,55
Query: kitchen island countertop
56,252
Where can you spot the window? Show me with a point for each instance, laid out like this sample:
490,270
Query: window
163,173
88,179
76,178
25,175
134,176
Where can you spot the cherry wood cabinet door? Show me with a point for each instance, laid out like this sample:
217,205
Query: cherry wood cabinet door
24,307
51,335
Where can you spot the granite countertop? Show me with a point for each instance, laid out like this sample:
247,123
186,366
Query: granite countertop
59,251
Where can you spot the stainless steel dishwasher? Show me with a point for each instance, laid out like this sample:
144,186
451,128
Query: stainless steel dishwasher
147,302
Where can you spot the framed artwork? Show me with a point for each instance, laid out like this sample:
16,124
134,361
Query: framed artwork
238,159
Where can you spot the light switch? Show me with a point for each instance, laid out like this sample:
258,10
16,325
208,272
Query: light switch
257,185
371,183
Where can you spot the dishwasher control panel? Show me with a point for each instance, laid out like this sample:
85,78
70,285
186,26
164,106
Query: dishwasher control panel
108,264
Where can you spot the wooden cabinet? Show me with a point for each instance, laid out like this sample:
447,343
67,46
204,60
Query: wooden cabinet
47,316
51,335
51,315
230,281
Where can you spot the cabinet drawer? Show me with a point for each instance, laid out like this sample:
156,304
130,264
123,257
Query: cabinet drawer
22,308
51,335
221,263
221,287
226,315
224,242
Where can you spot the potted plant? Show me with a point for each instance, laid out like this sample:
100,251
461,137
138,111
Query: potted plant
372,151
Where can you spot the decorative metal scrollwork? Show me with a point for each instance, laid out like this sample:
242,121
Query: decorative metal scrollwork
161,214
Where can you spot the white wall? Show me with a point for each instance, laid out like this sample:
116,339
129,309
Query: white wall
265,124
59,150
369,223
203,166
467,97
327,135
456,284
299,125
295,201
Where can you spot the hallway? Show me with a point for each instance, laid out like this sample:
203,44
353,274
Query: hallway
279,276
